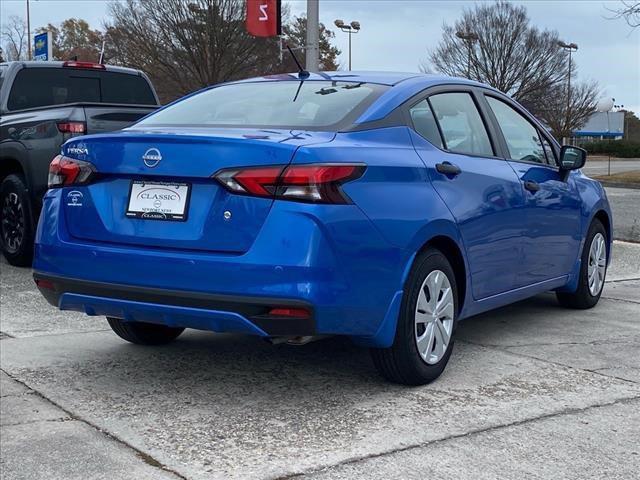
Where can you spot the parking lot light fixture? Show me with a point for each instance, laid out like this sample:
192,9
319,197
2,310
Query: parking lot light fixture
350,29
570,47
469,38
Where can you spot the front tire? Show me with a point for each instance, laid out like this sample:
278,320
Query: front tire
16,221
593,270
426,325
144,333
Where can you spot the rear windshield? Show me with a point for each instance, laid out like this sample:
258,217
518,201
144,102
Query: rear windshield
41,87
280,104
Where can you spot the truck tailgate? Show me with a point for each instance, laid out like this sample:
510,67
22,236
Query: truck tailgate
107,118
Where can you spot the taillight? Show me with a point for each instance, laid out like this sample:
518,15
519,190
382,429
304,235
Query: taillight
87,65
65,171
315,183
72,127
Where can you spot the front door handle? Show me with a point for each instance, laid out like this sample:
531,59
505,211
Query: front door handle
448,168
532,186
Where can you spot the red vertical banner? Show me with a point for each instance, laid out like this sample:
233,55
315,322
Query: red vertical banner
263,18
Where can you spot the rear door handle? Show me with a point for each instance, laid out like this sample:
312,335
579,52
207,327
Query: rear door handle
448,168
532,186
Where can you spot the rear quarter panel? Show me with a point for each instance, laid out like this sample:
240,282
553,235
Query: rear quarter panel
394,193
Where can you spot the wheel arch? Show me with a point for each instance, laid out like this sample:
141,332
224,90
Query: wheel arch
10,165
605,219
450,249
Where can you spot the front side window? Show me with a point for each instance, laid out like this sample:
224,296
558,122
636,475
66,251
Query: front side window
278,104
523,139
548,150
461,124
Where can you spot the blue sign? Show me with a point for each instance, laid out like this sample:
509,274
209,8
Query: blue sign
42,47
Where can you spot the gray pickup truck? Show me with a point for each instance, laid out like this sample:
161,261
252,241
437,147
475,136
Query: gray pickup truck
42,105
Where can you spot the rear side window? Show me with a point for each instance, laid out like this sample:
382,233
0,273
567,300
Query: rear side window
523,139
461,124
311,104
425,123
41,87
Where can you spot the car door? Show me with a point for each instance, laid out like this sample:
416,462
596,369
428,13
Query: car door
480,189
552,202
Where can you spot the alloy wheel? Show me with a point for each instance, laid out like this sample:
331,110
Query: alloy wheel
13,222
434,317
597,266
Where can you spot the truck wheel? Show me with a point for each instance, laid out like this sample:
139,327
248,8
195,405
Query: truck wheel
144,333
426,324
16,222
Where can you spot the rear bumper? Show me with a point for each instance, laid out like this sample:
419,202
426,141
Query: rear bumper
203,311
329,259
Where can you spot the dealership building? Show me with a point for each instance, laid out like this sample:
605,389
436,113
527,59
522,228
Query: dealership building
602,125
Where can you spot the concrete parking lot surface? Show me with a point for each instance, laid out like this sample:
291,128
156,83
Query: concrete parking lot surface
532,390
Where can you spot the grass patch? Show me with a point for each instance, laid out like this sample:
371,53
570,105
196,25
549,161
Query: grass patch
632,177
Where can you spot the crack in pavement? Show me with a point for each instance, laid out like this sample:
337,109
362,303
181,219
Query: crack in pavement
566,411
57,334
593,342
619,280
31,422
559,364
145,457
621,300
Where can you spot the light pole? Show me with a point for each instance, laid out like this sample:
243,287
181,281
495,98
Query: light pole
351,28
570,47
468,38
28,32
312,52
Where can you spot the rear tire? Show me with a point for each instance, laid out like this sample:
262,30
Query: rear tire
587,294
144,333
16,221
418,356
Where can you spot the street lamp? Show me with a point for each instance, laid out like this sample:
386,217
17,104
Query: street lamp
28,32
351,28
570,47
469,38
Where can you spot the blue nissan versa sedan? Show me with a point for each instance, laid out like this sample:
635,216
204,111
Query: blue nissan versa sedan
380,206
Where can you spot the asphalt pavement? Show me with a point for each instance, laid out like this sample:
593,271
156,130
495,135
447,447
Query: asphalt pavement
532,391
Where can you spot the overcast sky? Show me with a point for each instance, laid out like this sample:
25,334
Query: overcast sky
396,35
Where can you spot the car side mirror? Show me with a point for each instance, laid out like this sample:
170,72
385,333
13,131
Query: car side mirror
572,158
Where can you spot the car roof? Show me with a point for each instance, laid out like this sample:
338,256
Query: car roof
403,85
379,77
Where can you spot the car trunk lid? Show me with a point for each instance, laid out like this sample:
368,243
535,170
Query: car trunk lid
150,160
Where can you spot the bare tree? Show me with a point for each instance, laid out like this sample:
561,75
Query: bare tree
630,11
185,45
15,38
496,44
295,34
73,38
552,108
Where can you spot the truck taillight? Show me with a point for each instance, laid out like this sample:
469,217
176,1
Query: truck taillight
72,127
65,171
314,183
86,65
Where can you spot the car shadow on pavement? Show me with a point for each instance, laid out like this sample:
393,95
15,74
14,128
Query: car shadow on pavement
250,365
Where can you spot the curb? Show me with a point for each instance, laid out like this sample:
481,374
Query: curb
632,186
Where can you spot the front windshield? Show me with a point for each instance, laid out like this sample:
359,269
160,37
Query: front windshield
279,104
